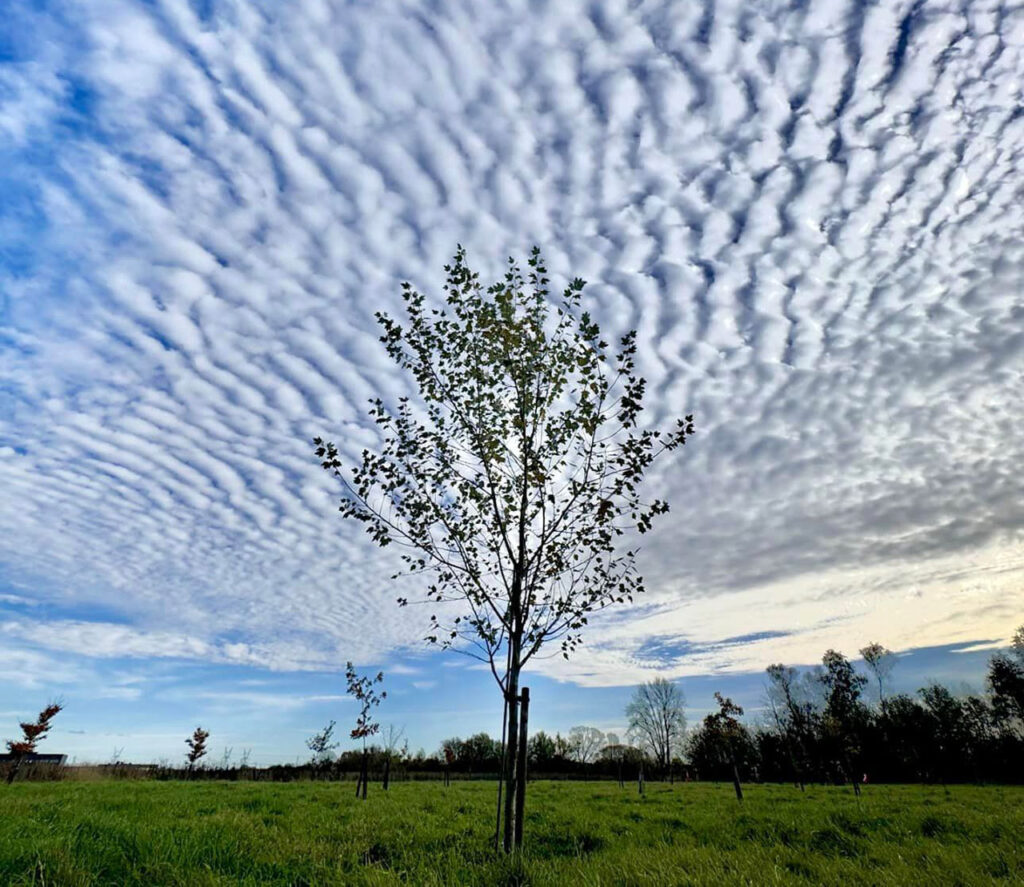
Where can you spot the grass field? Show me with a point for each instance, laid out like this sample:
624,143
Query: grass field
209,833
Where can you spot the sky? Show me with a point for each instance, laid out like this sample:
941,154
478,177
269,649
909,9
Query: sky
809,211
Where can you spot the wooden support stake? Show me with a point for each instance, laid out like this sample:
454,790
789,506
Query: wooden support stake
524,716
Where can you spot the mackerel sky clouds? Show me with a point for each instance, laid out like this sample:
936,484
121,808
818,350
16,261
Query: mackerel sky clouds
811,212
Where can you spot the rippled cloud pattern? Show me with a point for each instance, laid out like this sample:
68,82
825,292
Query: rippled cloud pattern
811,212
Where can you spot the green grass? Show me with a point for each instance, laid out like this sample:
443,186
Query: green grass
154,833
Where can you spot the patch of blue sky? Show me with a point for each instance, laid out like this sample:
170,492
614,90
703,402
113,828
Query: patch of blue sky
753,636
669,650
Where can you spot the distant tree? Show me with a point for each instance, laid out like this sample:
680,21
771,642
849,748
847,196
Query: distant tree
514,477
480,751
1006,683
950,738
794,702
786,716
980,733
32,733
844,713
393,748
196,747
585,743
362,688
881,662
449,755
616,753
657,722
322,745
540,750
563,749
907,731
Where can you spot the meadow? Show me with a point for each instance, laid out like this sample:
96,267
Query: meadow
220,833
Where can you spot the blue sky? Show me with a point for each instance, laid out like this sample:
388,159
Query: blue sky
810,212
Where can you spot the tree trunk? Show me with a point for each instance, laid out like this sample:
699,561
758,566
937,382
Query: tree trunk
387,772
512,700
502,776
15,767
363,774
521,768
848,773
640,780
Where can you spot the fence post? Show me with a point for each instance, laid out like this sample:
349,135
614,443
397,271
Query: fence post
524,716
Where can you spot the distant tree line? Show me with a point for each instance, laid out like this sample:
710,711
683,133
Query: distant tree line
819,727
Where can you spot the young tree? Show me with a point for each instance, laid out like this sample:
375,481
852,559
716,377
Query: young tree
512,480
196,747
322,745
362,688
721,742
881,662
32,732
656,719
725,722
